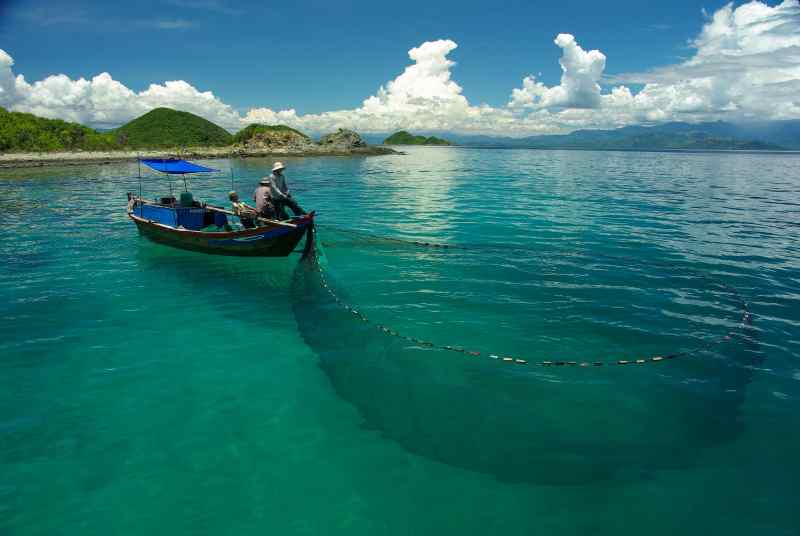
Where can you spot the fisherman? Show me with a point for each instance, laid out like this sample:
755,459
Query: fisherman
263,198
247,214
279,191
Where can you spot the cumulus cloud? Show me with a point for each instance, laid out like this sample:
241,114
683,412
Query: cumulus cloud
427,80
103,101
579,88
746,64
423,96
8,86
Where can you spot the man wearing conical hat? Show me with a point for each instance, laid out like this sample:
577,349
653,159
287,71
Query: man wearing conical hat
279,191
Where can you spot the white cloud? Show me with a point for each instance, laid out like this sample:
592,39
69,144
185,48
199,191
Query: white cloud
103,101
427,80
209,5
8,86
50,17
174,24
746,64
581,72
423,97
183,96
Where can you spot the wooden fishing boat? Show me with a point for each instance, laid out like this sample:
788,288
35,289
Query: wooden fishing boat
188,224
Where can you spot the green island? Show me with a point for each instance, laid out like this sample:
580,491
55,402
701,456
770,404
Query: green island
26,139
406,138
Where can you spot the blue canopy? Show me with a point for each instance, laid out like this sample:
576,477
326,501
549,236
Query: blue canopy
175,166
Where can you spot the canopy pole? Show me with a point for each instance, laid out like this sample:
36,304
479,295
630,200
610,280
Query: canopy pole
139,165
233,188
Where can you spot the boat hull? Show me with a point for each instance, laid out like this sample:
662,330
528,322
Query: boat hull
273,240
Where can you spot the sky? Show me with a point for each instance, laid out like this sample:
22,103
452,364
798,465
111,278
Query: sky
503,68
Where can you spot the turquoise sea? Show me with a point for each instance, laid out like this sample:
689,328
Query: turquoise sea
146,390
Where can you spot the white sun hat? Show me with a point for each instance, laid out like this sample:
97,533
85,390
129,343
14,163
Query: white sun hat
278,165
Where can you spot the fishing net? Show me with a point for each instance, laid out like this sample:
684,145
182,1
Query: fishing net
532,418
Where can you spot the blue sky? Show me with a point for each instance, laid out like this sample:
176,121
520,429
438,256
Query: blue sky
317,57
321,55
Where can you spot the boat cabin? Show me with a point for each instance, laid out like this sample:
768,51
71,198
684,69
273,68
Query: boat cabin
185,213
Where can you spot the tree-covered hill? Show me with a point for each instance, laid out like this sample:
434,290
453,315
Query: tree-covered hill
405,138
164,127
21,132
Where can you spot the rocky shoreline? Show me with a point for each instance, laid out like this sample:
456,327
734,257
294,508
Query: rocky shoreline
341,143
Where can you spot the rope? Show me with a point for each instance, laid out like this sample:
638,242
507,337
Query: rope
745,320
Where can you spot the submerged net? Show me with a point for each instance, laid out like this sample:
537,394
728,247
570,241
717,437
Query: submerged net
523,418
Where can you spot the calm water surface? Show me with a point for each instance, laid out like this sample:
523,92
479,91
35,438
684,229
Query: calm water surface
149,390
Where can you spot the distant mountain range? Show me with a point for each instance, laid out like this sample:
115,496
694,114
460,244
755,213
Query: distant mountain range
719,135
